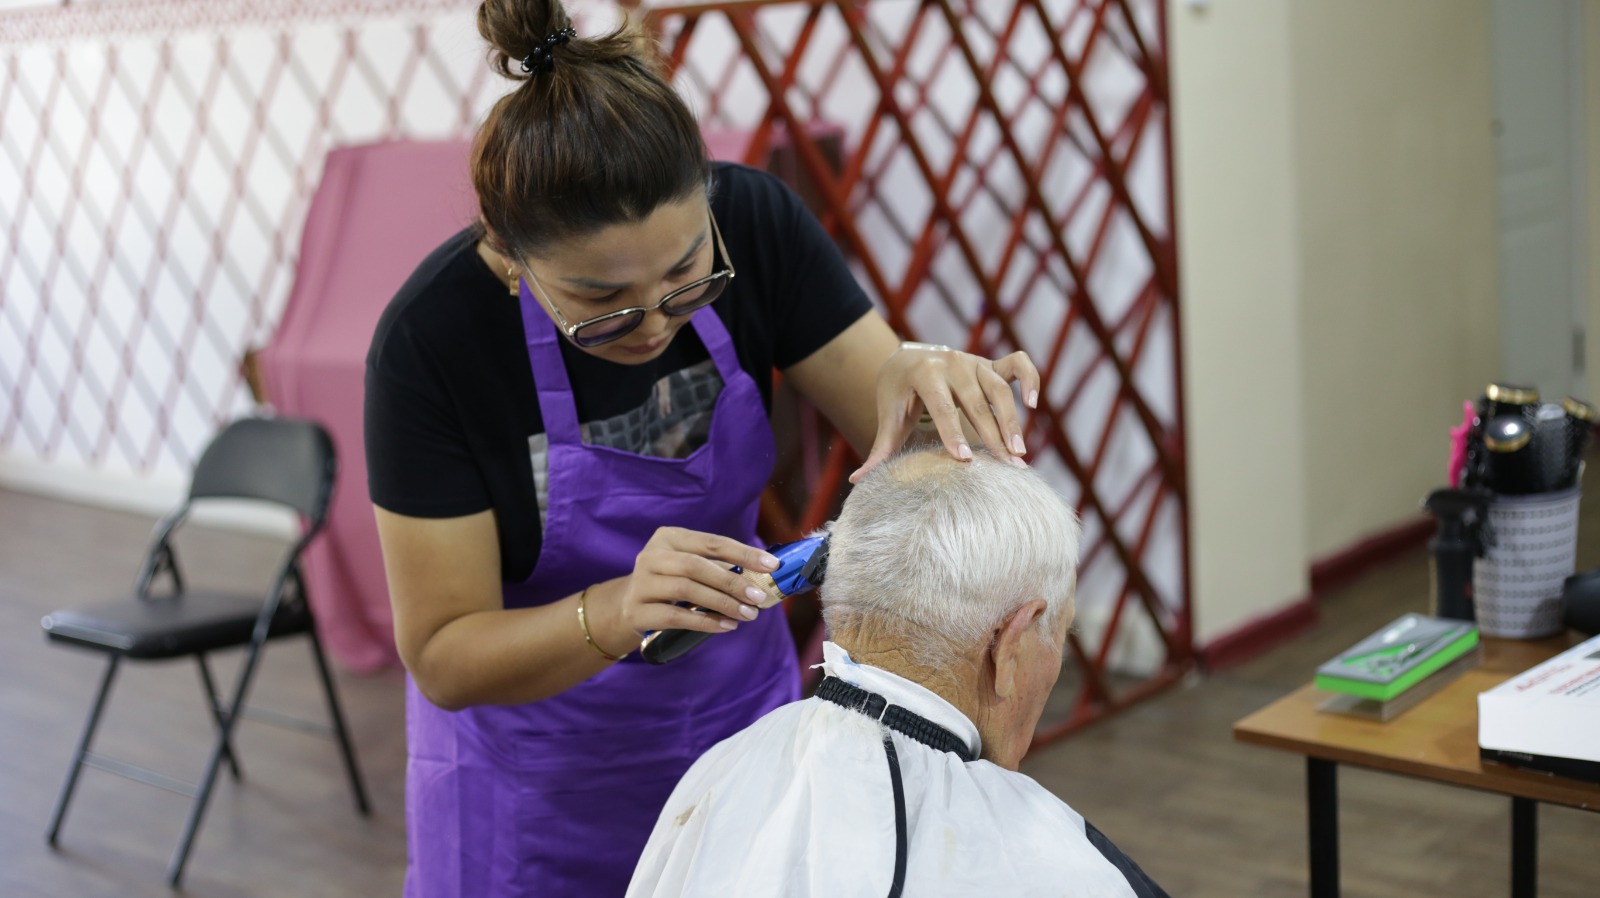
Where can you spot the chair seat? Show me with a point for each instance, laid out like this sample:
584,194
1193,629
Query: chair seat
167,627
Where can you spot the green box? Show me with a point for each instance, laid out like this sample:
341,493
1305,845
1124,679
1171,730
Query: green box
1397,657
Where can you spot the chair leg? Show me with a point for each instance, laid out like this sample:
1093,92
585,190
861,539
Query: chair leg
230,717
216,713
338,725
82,751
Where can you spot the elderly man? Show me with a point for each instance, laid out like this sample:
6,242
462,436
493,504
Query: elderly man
948,596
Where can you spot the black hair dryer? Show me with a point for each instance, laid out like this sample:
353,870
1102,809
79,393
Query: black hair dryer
1459,540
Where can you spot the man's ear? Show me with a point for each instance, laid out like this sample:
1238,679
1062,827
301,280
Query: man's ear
1006,646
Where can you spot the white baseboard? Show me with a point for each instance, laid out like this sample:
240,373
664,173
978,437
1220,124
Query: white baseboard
148,494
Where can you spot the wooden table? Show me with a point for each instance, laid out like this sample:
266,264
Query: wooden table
1435,740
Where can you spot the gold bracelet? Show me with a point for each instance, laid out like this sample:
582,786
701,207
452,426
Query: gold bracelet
584,624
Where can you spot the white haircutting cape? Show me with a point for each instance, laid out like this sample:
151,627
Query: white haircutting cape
800,804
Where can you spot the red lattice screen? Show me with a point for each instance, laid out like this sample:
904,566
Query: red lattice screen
156,163
1003,182
997,170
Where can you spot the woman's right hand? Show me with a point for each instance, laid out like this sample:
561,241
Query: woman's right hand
686,566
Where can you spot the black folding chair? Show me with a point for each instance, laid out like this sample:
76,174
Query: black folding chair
288,463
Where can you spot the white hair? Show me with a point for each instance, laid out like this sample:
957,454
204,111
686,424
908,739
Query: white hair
942,551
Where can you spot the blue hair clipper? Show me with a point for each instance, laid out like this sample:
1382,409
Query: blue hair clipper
801,565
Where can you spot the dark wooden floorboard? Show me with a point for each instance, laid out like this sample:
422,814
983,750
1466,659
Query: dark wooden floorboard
1207,817
290,828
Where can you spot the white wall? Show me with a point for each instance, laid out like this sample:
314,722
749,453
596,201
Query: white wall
157,160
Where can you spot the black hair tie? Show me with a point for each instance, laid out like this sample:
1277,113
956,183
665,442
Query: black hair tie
541,59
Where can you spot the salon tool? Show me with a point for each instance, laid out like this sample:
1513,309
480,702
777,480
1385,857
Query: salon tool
1512,445
1458,541
1506,433
1581,418
1548,449
801,566
1511,399
1509,467
1388,661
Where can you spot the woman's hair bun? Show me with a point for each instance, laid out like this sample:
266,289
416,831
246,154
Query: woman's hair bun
593,136
516,28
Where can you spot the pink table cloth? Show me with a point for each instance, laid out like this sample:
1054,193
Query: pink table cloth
379,210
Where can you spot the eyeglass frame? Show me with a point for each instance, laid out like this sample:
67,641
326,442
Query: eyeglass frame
571,330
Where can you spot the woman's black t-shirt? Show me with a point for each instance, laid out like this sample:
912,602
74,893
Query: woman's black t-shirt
452,423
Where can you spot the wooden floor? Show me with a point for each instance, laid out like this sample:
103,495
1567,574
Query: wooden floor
1207,817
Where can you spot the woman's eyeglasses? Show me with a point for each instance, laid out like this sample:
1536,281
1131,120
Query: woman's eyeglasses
603,329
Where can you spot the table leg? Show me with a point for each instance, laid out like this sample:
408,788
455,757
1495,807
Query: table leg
1322,806
1524,848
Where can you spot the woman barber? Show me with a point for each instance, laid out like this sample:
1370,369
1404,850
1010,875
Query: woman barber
567,436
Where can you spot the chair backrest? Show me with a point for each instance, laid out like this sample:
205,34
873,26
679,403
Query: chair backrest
285,460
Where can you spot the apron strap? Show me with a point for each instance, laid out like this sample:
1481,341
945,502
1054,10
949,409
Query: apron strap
556,402
713,335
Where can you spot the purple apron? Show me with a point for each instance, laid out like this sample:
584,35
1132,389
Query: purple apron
559,796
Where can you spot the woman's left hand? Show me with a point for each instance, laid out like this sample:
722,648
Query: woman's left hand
948,383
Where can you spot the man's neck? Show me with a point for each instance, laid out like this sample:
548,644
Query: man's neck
941,681
949,682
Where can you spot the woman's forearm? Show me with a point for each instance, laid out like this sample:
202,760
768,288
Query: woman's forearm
511,656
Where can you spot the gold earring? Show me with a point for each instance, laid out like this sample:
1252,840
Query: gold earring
511,274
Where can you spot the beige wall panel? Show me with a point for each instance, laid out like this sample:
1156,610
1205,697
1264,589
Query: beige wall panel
1236,222
1395,197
